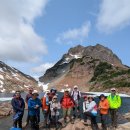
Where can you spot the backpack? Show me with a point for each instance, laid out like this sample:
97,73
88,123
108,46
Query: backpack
78,97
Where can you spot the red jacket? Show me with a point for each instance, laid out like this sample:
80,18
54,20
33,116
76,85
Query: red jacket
67,102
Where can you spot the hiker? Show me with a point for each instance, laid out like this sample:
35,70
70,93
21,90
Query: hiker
103,108
67,104
18,109
91,112
53,92
46,108
55,107
76,95
85,107
28,96
115,103
34,105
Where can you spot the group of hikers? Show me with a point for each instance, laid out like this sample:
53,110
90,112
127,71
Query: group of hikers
71,107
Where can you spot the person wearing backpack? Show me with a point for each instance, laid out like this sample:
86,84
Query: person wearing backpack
103,108
67,104
115,103
54,108
76,95
18,109
91,112
46,107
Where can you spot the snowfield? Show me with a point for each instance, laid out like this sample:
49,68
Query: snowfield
106,94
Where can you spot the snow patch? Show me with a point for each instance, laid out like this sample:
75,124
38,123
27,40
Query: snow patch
26,86
106,94
4,68
76,56
6,99
1,77
1,70
44,86
3,90
17,78
13,91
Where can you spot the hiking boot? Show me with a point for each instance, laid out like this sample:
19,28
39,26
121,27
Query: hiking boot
72,121
64,123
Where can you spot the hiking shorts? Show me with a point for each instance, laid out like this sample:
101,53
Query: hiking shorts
67,112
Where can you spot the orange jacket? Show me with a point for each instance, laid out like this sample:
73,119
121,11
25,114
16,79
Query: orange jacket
104,106
44,105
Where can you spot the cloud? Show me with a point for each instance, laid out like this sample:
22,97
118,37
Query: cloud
113,14
42,68
76,34
18,39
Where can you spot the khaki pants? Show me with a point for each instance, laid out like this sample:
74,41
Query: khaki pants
67,112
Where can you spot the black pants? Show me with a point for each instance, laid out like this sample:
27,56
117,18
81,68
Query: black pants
34,122
93,120
104,121
28,119
76,111
113,113
18,123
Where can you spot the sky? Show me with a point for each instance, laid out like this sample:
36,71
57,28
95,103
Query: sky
34,34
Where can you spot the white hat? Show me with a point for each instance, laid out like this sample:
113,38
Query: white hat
55,97
75,86
47,91
113,89
67,90
35,92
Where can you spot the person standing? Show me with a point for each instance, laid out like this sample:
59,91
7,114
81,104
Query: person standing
18,109
54,108
46,108
28,96
115,103
91,112
76,95
67,104
103,108
53,92
34,105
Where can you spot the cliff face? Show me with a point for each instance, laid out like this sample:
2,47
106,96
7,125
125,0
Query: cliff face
12,79
78,66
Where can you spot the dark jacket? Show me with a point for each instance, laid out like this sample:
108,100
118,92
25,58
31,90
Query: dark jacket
18,105
28,96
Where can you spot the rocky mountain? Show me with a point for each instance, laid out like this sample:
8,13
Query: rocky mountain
92,68
12,79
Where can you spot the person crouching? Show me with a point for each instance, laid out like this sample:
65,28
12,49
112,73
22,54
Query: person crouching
85,107
91,112
34,105
55,107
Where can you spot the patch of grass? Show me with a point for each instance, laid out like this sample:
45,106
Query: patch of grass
101,69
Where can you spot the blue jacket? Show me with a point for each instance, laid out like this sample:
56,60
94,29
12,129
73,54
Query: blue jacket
18,105
31,106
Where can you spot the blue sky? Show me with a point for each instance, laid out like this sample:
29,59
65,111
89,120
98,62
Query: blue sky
36,34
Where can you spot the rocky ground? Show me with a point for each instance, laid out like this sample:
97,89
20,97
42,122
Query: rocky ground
5,109
79,125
